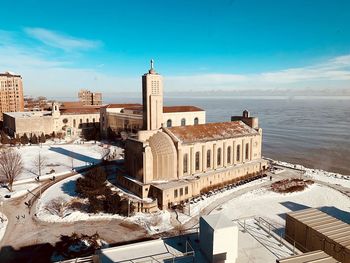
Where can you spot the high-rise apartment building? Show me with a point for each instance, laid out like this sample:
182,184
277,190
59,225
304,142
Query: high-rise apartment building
11,93
90,98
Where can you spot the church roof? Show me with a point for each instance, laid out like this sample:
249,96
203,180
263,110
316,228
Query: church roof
212,131
122,105
171,109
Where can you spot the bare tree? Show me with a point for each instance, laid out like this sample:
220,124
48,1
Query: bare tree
11,166
57,206
40,162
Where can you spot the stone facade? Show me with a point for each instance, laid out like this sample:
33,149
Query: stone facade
181,159
69,122
11,93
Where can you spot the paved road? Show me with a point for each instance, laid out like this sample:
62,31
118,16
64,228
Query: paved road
32,237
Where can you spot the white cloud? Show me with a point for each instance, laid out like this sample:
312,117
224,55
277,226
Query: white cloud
45,73
60,40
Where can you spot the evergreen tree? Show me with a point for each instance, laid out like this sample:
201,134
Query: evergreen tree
34,139
24,139
4,138
96,204
112,203
42,138
93,183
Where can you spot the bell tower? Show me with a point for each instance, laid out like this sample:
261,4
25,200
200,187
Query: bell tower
152,99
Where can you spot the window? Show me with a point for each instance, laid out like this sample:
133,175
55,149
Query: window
183,122
93,120
238,153
208,158
87,120
81,120
175,193
247,151
229,154
74,123
196,121
169,123
181,191
219,157
186,190
197,161
185,164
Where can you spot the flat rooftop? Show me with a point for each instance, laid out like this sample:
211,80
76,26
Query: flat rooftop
314,256
28,114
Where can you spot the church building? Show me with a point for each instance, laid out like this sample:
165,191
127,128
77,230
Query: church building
172,164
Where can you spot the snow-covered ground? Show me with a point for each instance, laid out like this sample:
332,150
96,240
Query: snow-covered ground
272,206
153,223
3,225
61,158
316,174
18,190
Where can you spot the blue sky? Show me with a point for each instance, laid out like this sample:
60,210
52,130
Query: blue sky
62,46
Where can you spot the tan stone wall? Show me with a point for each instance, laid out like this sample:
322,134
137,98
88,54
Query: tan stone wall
229,154
176,117
32,125
194,186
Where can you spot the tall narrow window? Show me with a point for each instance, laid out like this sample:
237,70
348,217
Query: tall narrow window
208,158
197,161
185,164
74,123
169,123
183,122
195,121
247,151
238,153
219,157
175,193
229,154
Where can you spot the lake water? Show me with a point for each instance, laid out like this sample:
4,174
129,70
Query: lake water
308,131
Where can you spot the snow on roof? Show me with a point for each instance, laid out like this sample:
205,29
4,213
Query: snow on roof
313,256
212,131
217,221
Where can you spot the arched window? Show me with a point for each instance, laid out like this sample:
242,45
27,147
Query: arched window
195,121
183,122
197,161
169,123
208,158
238,153
229,154
247,151
185,164
87,120
219,157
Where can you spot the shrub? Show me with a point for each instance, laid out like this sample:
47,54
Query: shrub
24,139
93,183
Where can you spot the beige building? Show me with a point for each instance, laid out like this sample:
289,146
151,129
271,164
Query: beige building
11,93
173,164
151,114
90,98
70,121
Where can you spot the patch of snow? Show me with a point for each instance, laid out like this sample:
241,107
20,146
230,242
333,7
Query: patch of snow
62,157
3,225
272,206
320,175
18,190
